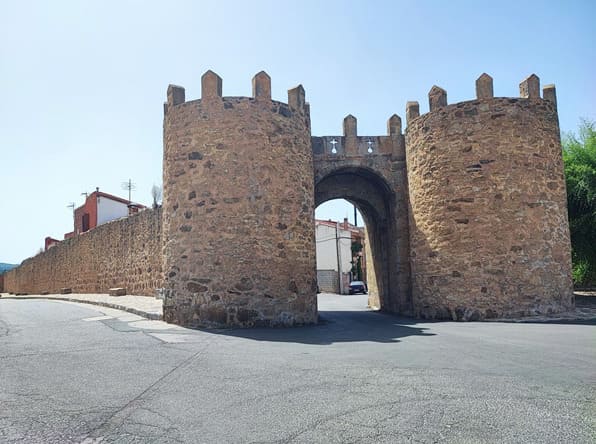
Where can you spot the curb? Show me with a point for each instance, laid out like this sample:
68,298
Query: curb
148,315
554,319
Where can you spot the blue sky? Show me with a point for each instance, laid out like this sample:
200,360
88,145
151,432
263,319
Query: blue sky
83,83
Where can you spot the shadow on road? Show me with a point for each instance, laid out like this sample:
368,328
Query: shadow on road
337,326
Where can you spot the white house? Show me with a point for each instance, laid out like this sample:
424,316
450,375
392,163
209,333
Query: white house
334,254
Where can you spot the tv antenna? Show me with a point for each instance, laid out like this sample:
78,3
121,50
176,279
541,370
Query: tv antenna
72,207
129,186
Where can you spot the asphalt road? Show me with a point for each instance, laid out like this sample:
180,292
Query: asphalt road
72,373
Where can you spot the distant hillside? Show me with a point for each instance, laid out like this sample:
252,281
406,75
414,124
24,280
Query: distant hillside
5,267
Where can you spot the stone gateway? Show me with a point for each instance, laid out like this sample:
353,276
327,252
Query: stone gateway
466,212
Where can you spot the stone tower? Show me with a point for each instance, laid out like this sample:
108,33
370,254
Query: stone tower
238,208
489,234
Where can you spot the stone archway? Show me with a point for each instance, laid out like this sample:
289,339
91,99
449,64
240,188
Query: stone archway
376,200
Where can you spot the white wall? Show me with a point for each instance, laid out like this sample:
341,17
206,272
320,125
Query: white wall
108,209
327,245
345,250
326,250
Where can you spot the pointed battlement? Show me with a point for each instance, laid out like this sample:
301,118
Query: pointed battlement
549,93
212,95
484,87
437,97
412,111
350,126
351,146
261,86
297,97
176,95
211,86
394,125
529,88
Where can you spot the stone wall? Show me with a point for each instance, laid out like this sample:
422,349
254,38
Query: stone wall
238,208
488,221
374,300
121,253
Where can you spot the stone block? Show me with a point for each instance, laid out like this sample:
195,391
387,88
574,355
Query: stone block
118,291
160,293
437,97
261,86
394,125
176,95
66,290
211,85
484,87
529,88
297,97
350,126
412,111
550,93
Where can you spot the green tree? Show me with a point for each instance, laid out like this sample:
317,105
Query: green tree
579,155
357,247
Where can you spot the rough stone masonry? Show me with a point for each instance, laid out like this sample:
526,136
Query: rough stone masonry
466,211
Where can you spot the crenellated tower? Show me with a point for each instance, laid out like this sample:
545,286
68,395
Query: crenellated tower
488,221
238,208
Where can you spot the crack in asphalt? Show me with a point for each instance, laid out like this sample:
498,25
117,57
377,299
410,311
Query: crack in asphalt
315,424
130,407
4,328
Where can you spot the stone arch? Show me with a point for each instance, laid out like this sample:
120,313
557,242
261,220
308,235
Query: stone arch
378,203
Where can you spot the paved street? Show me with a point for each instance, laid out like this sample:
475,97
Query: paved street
72,373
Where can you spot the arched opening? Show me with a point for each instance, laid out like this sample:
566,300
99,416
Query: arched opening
376,202
340,235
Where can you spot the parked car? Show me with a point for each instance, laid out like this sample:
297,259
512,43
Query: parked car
357,287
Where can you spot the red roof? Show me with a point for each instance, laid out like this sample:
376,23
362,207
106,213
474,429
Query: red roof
112,197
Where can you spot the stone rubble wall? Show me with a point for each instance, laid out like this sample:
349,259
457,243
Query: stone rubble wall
488,221
122,253
374,299
238,209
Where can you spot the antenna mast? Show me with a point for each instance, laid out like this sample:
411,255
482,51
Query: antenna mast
129,186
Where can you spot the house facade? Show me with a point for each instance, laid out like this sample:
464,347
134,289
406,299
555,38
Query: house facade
337,261
99,208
